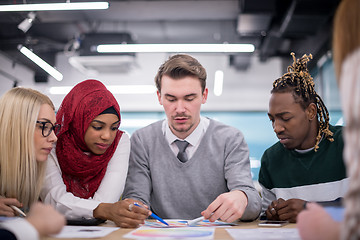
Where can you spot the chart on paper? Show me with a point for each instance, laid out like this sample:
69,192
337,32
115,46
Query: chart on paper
172,233
175,223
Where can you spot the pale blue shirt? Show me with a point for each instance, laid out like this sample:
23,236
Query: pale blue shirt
193,139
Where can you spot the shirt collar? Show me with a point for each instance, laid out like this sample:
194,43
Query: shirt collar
309,149
193,138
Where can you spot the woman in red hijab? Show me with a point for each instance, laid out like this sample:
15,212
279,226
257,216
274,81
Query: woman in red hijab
87,171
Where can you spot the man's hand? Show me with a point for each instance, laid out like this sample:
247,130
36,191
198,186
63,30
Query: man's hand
45,219
270,212
285,210
228,207
123,213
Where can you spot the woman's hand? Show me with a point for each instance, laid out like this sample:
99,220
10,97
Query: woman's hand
5,209
123,213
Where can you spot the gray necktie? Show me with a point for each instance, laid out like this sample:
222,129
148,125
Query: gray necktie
182,145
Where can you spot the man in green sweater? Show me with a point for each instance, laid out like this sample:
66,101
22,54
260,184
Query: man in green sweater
306,164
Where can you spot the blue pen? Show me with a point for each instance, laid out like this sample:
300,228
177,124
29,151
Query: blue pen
155,216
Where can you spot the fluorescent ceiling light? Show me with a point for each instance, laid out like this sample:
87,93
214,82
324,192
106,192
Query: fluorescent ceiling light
60,90
136,123
218,83
132,89
147,48
114,89
54,6
41,63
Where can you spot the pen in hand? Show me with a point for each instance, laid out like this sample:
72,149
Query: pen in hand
195,221
16,209
154,216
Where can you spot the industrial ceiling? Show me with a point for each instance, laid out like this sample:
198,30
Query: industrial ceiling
275,27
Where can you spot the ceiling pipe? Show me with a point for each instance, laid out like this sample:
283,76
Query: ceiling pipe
273,40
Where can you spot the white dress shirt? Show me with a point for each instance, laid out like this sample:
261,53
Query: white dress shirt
110,190
193,139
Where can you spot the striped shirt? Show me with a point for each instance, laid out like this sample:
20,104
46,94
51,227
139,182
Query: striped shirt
311,176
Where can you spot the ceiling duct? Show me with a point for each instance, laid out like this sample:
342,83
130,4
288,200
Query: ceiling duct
240,62
255,17
90,62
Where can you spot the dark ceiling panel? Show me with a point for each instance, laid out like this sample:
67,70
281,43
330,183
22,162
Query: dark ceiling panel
275,27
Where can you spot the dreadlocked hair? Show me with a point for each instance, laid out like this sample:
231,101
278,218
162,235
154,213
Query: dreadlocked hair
299,81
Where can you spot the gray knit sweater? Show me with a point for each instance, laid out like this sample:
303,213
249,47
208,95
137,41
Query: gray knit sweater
183,190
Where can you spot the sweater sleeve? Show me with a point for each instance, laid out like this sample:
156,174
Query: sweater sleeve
238,175
138,183
267,197
265,182
54,190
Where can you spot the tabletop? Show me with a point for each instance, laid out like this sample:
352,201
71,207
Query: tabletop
220,232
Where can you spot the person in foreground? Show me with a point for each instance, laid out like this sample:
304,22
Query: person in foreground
315,222
86,172
27,124
306,164
210,175
42,220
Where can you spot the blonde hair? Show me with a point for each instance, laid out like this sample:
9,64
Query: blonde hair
346,45
346,34
21,176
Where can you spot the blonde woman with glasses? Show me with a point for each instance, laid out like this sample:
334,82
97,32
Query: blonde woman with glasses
27,125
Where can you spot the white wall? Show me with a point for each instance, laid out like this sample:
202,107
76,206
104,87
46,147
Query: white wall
23,74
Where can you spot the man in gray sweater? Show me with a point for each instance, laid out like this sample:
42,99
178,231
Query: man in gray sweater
188,165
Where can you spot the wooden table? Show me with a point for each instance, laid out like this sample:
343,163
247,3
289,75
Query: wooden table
220,233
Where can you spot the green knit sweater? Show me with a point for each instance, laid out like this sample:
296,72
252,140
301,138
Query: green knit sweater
311,176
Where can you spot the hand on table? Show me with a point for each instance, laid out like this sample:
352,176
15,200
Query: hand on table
314,223
123,213
228,207
285,210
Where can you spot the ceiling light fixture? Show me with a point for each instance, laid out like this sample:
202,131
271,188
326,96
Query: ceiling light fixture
193,48
132,89
54,6
41,63
114,89
26,24
218,83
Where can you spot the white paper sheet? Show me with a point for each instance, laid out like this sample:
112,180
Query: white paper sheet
172,233
264,233
85,232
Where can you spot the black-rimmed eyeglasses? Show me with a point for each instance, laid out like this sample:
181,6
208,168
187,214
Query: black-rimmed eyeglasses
47,127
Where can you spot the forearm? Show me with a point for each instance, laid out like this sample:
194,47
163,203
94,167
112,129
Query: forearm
103,211
238,176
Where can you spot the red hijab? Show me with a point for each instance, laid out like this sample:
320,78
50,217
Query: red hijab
82,171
